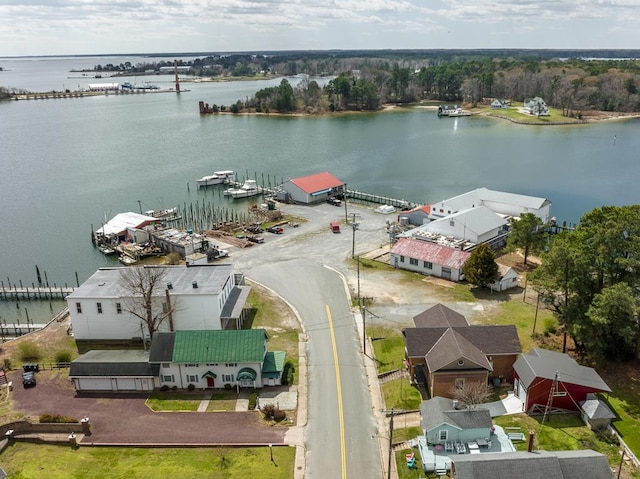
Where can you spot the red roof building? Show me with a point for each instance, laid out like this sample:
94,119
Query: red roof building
429,258
313,188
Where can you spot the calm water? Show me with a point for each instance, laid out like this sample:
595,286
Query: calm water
66,164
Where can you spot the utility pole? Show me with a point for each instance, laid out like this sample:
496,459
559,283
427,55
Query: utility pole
364,328
354,227
392,413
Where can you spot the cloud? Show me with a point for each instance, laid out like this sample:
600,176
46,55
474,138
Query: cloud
251,24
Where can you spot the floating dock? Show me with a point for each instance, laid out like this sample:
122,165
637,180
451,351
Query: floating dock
35,292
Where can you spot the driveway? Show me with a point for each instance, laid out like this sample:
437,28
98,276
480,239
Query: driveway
125,419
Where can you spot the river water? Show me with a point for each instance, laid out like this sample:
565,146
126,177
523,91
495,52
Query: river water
67,164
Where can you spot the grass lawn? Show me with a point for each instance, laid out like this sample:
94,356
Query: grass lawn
173,401
399,394
388,345
25,461
555,116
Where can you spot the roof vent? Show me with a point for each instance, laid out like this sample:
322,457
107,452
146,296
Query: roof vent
169,285
194,284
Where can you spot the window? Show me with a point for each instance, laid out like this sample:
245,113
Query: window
168,379
118,308
212,364
443,435
192,378
413,261
99,305
227,378
78,308
452,223
459,383
166,365
191,365
428,265
231,365
402,259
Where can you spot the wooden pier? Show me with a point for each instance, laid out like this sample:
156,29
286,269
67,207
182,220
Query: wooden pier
35,292
381,200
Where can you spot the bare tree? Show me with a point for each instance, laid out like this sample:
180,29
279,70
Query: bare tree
148,299
472,393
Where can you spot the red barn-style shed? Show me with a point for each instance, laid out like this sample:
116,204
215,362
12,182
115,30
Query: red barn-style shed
546,378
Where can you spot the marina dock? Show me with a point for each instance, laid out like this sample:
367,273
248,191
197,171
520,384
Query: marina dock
35,292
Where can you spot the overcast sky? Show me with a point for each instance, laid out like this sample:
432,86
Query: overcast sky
66,27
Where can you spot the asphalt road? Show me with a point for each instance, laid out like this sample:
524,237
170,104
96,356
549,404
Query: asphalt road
341,425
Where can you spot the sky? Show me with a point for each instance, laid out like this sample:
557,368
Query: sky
73,27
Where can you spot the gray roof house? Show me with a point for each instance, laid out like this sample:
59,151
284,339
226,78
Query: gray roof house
585,464
442,422
595,413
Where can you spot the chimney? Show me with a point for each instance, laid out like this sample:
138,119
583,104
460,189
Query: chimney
169,285
194,284
532,435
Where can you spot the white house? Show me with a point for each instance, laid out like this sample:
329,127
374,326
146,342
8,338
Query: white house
536,106
216,359
506,278
207,297
502,203
429,258
498,104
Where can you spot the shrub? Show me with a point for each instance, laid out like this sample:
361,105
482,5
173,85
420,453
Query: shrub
174,388
29,351
550,326
56,418
191,387
272,412
63,356
164,387
287,373
7,364
227,386
253,400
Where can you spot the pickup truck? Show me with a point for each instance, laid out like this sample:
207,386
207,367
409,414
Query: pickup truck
275,230
334,201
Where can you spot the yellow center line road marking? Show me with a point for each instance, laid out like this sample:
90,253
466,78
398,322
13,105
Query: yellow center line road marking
343,451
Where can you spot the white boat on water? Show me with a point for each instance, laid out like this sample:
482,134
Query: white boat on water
250,188
218,178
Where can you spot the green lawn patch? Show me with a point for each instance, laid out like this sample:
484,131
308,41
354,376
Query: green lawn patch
399,394
388,345
174,401
23,460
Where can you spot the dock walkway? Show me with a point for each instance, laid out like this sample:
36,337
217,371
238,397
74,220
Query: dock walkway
25,293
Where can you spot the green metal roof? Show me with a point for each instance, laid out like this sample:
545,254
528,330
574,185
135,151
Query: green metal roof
246,374
273,362
228,346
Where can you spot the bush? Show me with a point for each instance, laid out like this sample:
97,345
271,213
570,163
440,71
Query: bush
164,388
56,418
227,386
29,351
7,364
550,326
174,388
272,412
63,357
253,400
287,373
191,387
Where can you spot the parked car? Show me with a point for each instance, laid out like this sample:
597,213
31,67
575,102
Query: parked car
256,239
334,201
275,229
29,379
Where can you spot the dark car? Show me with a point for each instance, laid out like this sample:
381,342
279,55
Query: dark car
334,201
256,239
28,379
275,229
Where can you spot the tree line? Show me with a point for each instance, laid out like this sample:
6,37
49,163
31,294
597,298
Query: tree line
572,85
